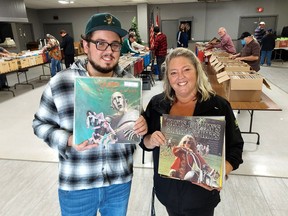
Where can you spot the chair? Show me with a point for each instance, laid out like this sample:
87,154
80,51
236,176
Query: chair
148,73
153,213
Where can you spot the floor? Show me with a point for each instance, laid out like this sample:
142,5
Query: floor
29,168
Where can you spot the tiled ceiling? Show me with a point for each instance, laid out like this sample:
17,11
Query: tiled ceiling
49,4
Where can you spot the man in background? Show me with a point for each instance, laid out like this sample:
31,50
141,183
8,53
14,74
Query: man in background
3,78
225,43
67,45
53,48
127,44
160,49
260,32
250,53
268,45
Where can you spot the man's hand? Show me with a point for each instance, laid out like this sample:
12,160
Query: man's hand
82,146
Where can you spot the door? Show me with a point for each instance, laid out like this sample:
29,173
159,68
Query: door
170,28
54,29
249,24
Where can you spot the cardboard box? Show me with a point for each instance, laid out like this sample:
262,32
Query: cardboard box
23,63
31,60
239,66
78,48
283,43
221,54
13,65
228,60
4,67
242,86
39,59
277,44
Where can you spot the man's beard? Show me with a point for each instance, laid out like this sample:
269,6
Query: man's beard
100,69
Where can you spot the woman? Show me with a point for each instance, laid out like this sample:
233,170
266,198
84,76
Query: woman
187,92
182,36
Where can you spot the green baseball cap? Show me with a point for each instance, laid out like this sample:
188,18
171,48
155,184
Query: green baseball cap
104,21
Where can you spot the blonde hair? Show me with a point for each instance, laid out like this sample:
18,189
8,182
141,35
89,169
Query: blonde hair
204,89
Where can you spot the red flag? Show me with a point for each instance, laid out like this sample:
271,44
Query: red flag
157,20
152,36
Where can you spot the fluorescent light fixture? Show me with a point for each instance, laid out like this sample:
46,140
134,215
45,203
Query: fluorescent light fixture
65,1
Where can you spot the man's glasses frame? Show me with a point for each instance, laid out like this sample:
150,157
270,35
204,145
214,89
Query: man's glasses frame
103,45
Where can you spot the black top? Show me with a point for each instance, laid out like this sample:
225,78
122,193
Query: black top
183,194
68,45
268,42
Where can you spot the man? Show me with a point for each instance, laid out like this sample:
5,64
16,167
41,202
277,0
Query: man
119,103
135,45
225,43
91,177
67,45
268,45
3,78
160,49
53,47
250,53
125,117
127,44
260,32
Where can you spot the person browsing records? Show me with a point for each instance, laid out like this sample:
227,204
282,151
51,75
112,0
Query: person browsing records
3,78
225,43
127,44
135,45
250,53
53,48
92,177
187,92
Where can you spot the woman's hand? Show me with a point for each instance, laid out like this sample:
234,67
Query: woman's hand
140,127
154,140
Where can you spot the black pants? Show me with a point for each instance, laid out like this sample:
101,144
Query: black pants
160,60
68,59
3,81
194,212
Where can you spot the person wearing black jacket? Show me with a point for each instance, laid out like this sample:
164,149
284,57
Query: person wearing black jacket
67,45
3,78
268,44
187,92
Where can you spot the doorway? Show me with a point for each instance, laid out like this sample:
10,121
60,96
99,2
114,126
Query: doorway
170,28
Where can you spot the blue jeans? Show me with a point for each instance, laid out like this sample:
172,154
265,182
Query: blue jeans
266,55
111,201
55,66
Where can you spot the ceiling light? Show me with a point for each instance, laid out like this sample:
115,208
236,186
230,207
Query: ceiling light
65,1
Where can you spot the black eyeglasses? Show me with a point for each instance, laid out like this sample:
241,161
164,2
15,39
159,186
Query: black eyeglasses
103,45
